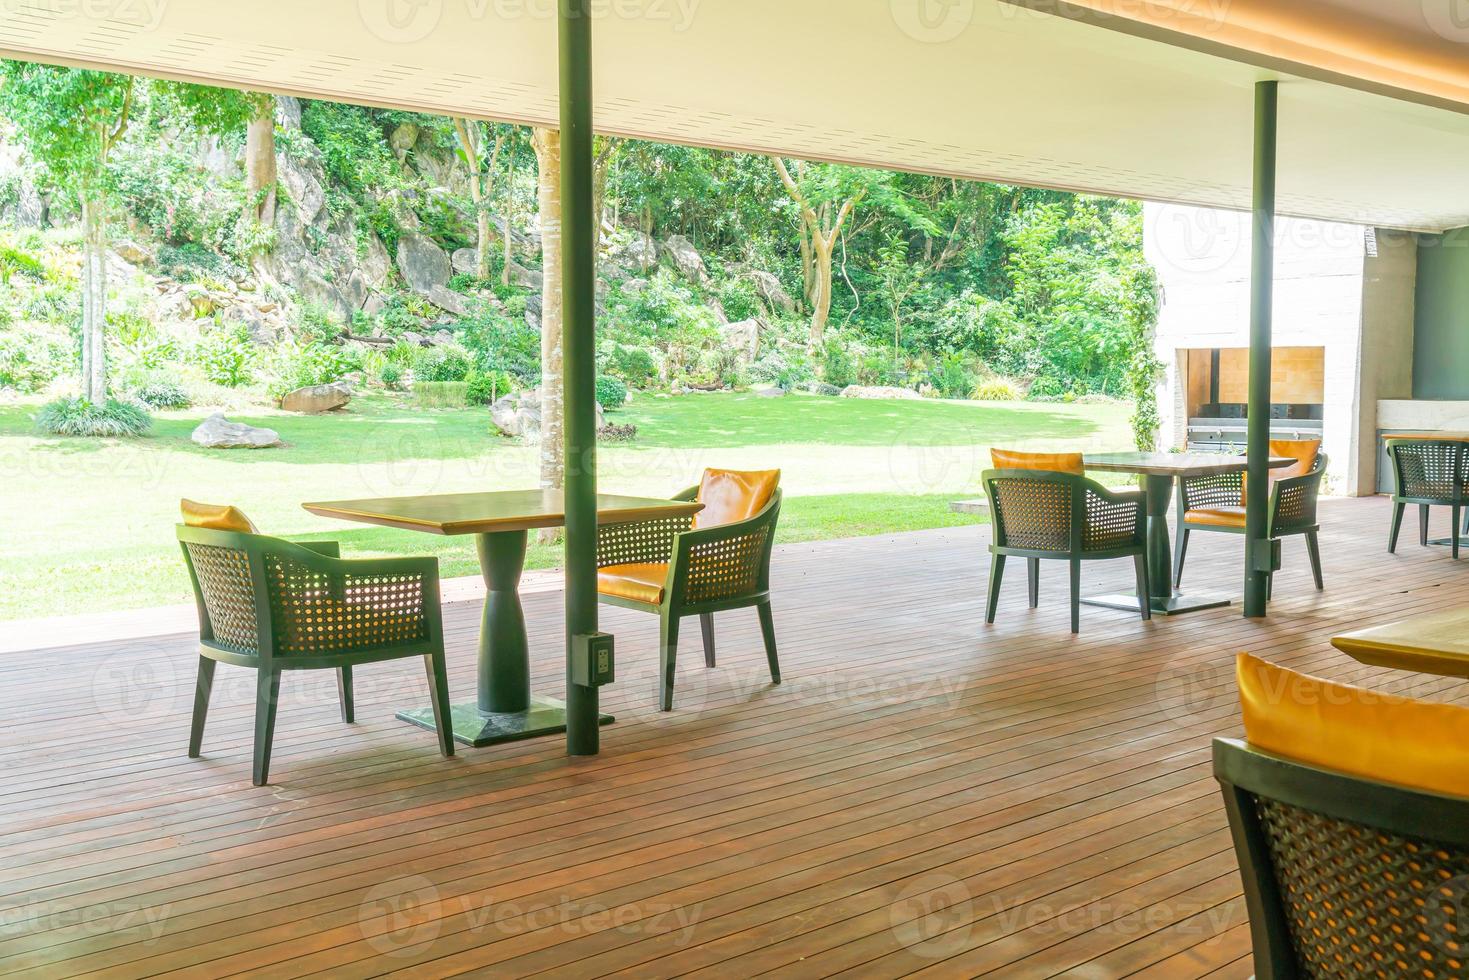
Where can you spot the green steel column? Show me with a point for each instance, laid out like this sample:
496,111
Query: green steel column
578,285
1262,284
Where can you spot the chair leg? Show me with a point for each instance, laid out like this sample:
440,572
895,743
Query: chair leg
997,574
706,626
344,694
1313,549
1178,555
438,692
202,686
1397,525
267,697
1033,574
1075,595
1454,530
667,657
767,630
1423,525
1144,590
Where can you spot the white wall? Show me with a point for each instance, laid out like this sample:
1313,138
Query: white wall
1203,261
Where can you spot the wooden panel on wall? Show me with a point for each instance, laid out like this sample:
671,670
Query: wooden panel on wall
1297,375
1200,364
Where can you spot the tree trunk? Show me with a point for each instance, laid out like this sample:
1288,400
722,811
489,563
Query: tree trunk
482,243
260,162
821,287
547,143
94,301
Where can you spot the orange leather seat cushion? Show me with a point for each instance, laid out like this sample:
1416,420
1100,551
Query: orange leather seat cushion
1012,459
216,517
1217,516
730,496
1420,744
640,582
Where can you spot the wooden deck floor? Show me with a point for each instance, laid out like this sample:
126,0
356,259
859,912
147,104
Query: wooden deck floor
924,795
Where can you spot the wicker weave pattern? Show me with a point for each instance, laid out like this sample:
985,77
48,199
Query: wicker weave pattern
1361,902
1110,524
726,568
314,612
1432,470
1213,490
1033,514
229,598
639,541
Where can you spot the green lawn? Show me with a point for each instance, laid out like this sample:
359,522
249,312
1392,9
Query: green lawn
87,525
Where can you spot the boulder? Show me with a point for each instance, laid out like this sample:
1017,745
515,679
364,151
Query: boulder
402,139
819,388
374,305
686,259
423,264
527,278
464,261
772,291
218,432
519,415
134,252
769,391
634,286
317,399
633,252
880,391
744,338
447,300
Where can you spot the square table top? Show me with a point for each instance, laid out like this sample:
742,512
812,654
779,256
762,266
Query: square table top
483,513
1433,643
1173,464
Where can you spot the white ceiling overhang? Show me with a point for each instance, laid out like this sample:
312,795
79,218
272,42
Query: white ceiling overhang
1374,111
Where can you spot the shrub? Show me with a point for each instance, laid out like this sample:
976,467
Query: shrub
784,369
1046,388
952,377
617,433
14,261
227,357
611,392
442,364
29,362
502,342
316,323
391,375
996,390
190,262
485,387
79,417
838,367
441,394
632,364
304,365
162,393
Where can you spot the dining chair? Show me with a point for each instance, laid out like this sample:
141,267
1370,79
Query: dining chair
1349,811
1058,514
274,606
1216,503
1429,473
715,561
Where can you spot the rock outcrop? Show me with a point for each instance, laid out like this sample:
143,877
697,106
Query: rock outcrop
218,432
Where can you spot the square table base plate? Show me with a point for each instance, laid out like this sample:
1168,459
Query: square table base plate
1178,604
475,728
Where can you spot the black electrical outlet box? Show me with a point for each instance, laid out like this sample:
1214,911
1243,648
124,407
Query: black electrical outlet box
592,660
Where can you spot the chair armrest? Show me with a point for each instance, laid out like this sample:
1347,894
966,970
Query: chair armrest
1211,490
724,562
322,605
1293,502
643,542
1114,519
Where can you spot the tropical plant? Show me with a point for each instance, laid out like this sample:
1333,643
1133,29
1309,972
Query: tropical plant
227,357
82,417
611,392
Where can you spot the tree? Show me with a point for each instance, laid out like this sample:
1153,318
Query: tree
70,121
822,220
900,280
547,144
480,168
260,161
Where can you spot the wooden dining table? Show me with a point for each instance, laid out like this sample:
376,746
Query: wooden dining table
505,708
1431,643
1158,473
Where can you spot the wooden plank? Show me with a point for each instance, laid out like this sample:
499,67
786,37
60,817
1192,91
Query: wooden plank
1062,782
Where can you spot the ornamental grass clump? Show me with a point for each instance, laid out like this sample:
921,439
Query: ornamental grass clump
80,417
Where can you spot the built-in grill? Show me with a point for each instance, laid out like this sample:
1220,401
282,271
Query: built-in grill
1217,389
1216,434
